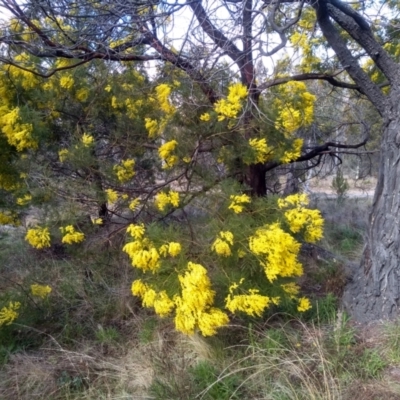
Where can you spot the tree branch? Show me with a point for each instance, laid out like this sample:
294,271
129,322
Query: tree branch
357,27
345,57
310,76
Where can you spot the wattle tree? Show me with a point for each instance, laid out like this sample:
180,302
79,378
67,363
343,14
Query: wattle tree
220,55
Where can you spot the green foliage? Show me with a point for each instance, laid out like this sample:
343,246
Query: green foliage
371,364
211,386
340,185
147,330
324,309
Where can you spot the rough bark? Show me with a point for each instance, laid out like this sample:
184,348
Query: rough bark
373,293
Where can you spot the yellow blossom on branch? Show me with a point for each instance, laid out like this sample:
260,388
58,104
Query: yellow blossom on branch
161,302
299,217
63,155
253,304
294,153
133,205
231,106
70,235
205,117
41,291
172,248
291,289
163,200
222,244
141,251
262,151
136,231
125,171
277,251
87,140
194,305
8,218
165,151
38,237
163,92
296,107
112,196
18,134
23,201
152,127
304,304
238,202
67,82
10,313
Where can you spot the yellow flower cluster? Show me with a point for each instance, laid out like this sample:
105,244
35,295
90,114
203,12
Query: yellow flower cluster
165,150
278,250
304,304
8,218
67,82
38,237
125,171
163,92
294,153
300,39
141,251
136,231
112,196
152,127
194,306
172,248
262,151
291,289
252,304
71,235
82,94
134,204
23,201
238,201
222,244
63,155
9,314
87,140
41,291
161,302
296,107
205,117
299,217
18,135
163,200
230,107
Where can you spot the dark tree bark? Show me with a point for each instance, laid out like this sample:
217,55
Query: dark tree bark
373,292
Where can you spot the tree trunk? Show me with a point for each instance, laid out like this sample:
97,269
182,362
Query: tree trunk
374,290
256,180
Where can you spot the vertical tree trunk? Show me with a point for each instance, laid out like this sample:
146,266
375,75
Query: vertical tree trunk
374,290
256,180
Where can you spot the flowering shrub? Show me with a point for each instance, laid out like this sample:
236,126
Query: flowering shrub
268,248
